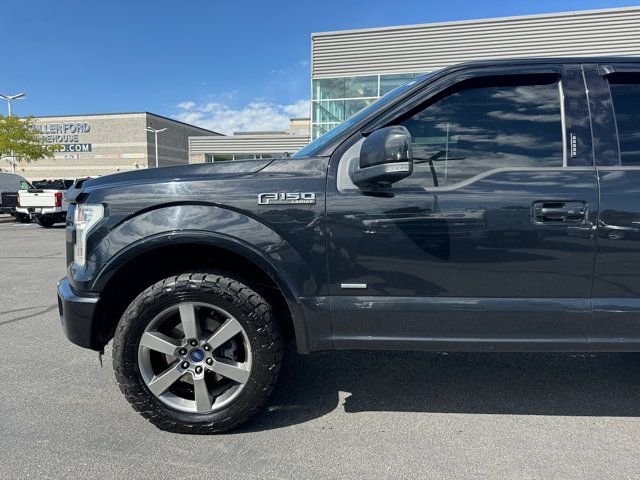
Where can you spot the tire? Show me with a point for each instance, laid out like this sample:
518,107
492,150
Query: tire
22,217
214,298
45,222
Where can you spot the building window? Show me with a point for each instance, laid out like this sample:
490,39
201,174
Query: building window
223,157
336,99
389,82
345,87
217,157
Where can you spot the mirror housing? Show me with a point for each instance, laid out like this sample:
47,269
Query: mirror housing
385,158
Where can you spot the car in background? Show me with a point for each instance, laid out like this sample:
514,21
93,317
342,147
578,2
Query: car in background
10,185
45,203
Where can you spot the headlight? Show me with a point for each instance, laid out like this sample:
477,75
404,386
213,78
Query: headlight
85,217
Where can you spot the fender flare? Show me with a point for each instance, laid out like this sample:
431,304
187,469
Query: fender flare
217,240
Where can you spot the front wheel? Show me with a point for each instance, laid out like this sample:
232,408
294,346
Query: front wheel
197,353
45,222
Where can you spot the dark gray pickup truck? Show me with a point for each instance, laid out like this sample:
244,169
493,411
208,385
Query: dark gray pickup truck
488,206
10,186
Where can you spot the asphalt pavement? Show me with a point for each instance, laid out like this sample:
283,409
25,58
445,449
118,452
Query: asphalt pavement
341,415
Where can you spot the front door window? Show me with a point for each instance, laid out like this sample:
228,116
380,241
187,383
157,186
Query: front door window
483,125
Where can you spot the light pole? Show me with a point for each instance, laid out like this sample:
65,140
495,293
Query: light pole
10,98
155,133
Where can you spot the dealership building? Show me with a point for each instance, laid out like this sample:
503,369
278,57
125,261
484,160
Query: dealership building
352,68
108,143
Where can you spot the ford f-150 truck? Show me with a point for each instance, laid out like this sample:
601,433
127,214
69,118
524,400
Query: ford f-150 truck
490,206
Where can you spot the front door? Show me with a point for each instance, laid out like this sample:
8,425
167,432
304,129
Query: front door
490,243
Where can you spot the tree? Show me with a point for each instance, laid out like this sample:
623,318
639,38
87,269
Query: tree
19,141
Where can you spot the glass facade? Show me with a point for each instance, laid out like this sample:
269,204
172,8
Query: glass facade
336,99
223,157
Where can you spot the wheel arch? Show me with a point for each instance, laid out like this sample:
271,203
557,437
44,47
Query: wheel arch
142,263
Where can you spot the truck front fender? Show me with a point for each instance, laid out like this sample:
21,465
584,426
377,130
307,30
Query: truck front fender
227,229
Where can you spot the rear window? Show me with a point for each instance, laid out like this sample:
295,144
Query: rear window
9,182
52,184
625,92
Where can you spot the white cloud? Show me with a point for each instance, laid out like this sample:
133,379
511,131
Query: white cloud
186,105
255,116
299,109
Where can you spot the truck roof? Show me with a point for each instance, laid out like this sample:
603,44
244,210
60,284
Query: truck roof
535,60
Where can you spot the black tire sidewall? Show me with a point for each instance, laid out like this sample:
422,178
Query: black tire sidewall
22,218
265,349
45,222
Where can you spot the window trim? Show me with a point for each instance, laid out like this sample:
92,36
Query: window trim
563,122
614,117
605,72
608,69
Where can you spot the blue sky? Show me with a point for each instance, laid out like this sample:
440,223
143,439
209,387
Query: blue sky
228,65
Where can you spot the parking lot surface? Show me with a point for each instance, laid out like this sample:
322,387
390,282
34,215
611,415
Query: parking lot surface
333,414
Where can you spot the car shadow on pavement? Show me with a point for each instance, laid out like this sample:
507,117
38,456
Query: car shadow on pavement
603,384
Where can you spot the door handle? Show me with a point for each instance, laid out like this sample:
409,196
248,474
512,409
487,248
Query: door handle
559,212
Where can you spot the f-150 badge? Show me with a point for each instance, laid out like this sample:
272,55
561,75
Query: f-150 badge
286,198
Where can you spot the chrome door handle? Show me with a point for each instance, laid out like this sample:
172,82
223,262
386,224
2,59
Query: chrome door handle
559,212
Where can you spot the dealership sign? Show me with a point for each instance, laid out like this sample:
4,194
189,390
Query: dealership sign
62,132
75,147
65,134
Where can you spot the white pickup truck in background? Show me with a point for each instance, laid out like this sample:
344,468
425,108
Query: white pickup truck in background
47,205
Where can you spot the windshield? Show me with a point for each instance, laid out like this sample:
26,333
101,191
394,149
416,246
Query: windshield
319,143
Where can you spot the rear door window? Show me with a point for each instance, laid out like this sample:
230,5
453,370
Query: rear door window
625,92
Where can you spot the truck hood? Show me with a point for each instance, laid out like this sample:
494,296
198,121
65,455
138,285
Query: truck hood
180,172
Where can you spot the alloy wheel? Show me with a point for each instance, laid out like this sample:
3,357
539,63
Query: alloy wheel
195,357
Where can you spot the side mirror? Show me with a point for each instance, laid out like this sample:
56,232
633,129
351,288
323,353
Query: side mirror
385,158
